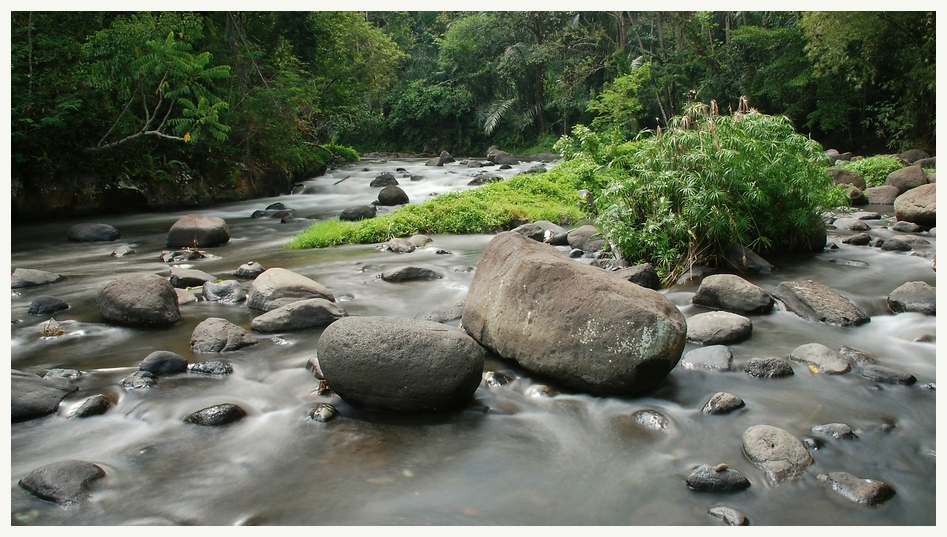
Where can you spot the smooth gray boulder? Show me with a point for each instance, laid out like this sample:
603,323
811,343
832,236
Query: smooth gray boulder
93,233
161,363
249,270
299,315
718,328
906,178
409,274
586,238
780,454
732,293
768,368
32,396
22,277
198,231
816,302
858,239
880,373
64,482
182,278
216,415
718,478
392,195
882,195
914,297
358,212
918,205
277,287
398,364
722,403
227,291
400,246
711,357
47,305
139,300
863,491
219,335
578,324
821,359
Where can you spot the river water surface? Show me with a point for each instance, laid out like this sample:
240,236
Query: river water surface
511,457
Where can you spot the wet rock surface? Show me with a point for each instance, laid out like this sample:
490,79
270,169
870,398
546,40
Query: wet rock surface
889,375
93,233
816,302
780,454
299,315
864,491
32,396
709,478
277,287
732,293
820,359
24,277
718,327
711,357
914,297
216,415
729,516
219,335
722,403
198,231
768,368
227,292
139,300
47,305
161,363
63,482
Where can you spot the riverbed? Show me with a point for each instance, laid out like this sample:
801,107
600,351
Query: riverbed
515,455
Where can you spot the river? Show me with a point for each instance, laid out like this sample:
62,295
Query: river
511,457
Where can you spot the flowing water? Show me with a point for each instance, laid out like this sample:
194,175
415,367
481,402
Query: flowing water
510,457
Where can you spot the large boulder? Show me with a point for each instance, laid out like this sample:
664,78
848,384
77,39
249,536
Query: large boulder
299,315
392,195
93,233
359,212
182,278
406,365
906,178
161,363
847,177
575,323
914,296
219,335
643,275
440,160
47,305
919,205
32,396
497,156
385,179
24,277
912,155
882,195
730,292
821,359
198,231
586,238
63,482
139,300
816,302
780,454
277,287
718,328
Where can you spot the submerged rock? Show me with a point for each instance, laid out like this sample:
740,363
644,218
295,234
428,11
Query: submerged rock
140,379
914,297
219,335
708,478
768,368
887,374
712,357
227,291
718,327
820,359
864,491
651,419
323,413
732,293
64,482
839,431
93,233
212,367
816,302
33,397
780,454
139,300
570,321
93,406
216,415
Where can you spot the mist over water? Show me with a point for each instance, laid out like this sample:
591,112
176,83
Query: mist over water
509,457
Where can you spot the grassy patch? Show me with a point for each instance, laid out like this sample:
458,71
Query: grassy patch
873,169
496,206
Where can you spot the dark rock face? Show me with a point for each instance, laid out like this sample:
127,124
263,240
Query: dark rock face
586,238
227,291
722,403
409,274
93,406
858,239
299,315
403,365
277,287
33,397
918,205
161,363
249,270
712,358
219,335
890,375
385,179
182,278
198,231
93,233
906,178
768,368
708,479
47,305
847,177
139,300
864,491
576,323
895,245
780,454
64,482
211,367
882,195
32,277
643,275
821,359
392,195
440,160
497,156
718,327
732,293
216,415
816,302
914,297
359,212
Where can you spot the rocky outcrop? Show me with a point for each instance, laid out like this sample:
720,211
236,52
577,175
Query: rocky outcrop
139,300
93,233
732,293
918,205
64,482
198,231
299,315
397,364
587,329
816,302
277,287
219,335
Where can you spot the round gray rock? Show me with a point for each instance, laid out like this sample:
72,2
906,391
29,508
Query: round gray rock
780,454
93,233
409,274
163,363
216,415
722,403
405,365
864,491
914,297
821,359
392,195
182,278
906,178
249,270
918,205
768,368
32,396
22,277
277,287
299,315
227,291
219,335
732,293
718,327
711,357
139,300
198,231
706,478
62,482
359,212
47,305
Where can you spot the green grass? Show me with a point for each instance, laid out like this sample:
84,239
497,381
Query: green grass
873,169
493,207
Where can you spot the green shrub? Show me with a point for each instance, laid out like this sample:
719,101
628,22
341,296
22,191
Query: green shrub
686,195
873,169
345,152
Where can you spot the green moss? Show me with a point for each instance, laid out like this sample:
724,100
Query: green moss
496,206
